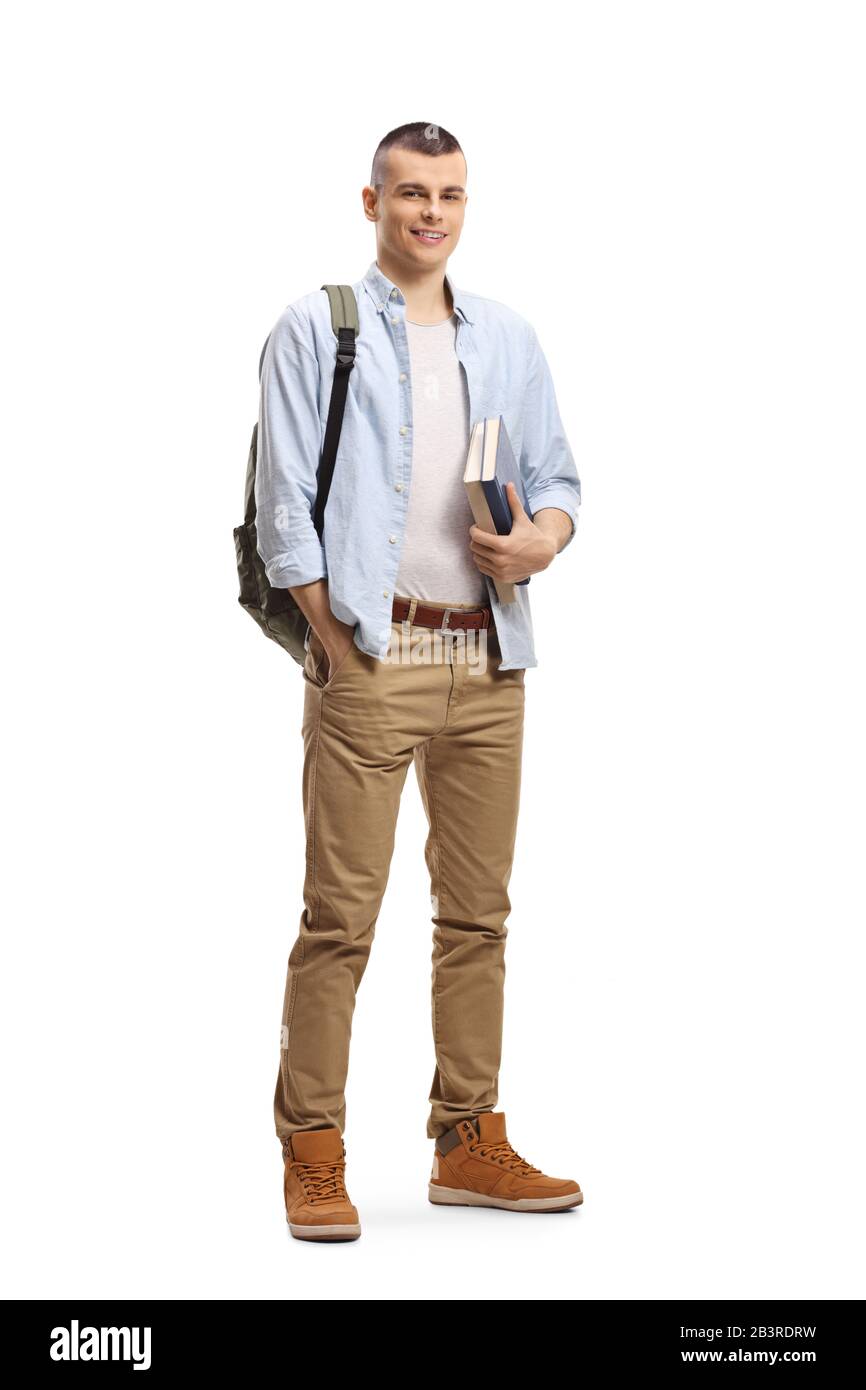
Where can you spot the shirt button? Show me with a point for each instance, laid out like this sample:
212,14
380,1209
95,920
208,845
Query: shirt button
402,376
404,429
393,294
380,306
398,487
384,593
393,320
392,539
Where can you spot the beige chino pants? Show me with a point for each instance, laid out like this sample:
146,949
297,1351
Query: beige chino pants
443,703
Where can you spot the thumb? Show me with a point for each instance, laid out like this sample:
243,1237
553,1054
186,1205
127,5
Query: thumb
514,502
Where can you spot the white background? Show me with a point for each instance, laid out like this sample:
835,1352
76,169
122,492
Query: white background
673,195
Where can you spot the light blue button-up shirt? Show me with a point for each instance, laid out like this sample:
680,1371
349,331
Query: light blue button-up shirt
506,374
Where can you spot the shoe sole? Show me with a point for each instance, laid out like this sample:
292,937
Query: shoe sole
462,1197
324,1232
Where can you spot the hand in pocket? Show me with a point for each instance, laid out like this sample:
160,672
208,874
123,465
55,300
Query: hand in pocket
338,653
339,656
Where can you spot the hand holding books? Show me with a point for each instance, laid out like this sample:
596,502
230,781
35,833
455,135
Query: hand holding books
504,543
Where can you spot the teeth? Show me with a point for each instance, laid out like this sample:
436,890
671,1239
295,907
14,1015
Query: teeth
438,235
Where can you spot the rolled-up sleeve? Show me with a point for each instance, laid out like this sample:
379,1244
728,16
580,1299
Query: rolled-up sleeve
288,451
546,462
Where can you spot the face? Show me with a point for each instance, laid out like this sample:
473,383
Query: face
422,193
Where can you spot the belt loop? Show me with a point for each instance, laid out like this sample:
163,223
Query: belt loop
406,625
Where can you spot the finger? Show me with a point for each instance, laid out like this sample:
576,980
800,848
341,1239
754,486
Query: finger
487,539
495,561
483,565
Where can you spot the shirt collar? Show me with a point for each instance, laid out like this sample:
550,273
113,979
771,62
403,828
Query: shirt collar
379,288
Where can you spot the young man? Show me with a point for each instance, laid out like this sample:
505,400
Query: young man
411,658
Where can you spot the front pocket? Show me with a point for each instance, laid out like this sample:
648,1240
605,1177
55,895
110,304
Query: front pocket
320,661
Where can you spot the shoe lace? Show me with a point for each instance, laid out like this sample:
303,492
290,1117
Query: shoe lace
322,1181
503,1153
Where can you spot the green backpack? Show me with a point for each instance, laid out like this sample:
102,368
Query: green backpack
275,610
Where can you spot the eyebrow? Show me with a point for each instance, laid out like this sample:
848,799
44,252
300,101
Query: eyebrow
450,188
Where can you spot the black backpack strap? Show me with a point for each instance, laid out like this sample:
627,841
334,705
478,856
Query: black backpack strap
344,321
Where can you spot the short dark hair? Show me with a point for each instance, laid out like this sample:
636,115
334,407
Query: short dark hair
421,136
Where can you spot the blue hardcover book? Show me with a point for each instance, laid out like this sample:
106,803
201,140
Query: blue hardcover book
489,466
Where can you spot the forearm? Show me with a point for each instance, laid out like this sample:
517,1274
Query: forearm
555,524
313,601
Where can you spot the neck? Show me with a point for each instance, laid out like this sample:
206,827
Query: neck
425,292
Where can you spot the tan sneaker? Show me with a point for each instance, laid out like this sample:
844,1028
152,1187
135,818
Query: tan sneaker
317,1203
475,1166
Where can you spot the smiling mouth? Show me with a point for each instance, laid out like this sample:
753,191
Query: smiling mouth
432,238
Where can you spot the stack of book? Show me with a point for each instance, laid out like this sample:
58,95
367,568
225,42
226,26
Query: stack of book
490,464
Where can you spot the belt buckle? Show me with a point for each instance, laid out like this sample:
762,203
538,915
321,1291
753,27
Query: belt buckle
444,626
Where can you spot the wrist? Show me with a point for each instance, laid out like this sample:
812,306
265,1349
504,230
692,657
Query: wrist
334,633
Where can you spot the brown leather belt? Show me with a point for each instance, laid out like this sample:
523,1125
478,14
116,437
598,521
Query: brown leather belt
443,619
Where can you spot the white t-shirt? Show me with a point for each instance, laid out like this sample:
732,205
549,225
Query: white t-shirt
435,560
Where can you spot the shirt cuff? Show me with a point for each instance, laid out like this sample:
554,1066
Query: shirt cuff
303,564
557,496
